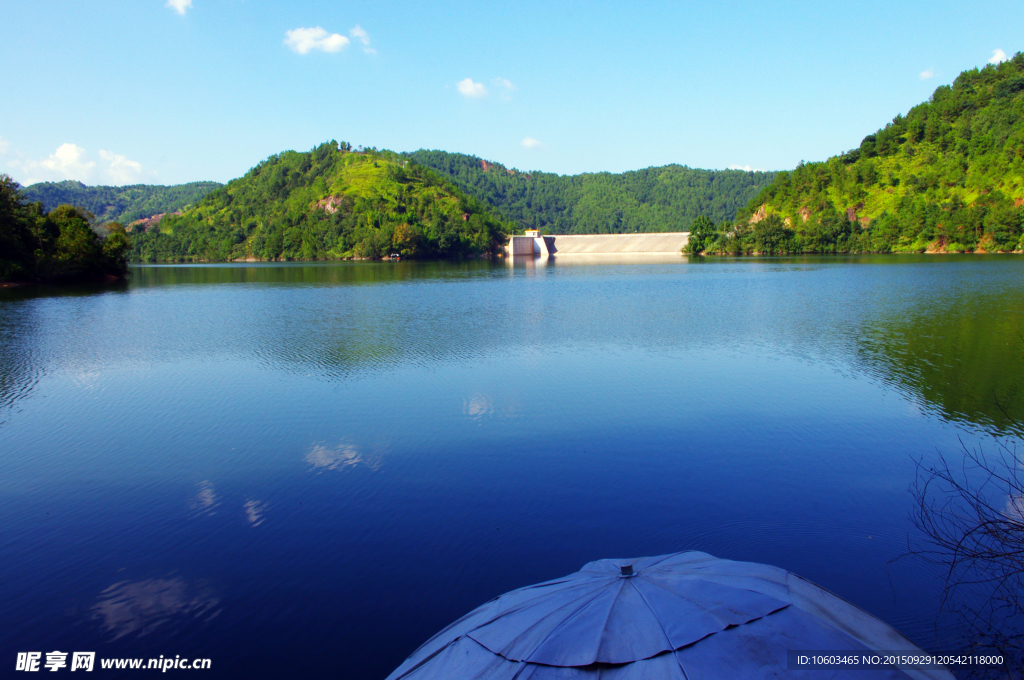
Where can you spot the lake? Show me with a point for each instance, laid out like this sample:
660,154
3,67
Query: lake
307,469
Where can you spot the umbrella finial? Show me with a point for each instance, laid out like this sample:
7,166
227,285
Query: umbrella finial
627,571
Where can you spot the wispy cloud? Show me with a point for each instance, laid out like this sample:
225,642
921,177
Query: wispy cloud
745,168
506,85
998,57
531,143
360,34
927,73
305,40
5,146
120,168
179,6
470,89
71,161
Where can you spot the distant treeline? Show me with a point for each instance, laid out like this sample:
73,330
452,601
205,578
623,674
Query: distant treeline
328,203
666,198
119,204
59,245
947,177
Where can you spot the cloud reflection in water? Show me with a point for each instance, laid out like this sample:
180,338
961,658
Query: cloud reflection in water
254,511
204,502
477,406
341,456
1014,509
144,606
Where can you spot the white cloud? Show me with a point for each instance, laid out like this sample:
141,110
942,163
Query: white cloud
745,168
5,146
121,169
71,161
470,89
304,40
360,34
531,143
998,57
928,73
179,6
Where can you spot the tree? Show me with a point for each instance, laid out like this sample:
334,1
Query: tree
116,247
59,246
964,146
16,246
972,518
770,234
702,234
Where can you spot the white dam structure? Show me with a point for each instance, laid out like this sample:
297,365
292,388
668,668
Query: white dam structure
532,243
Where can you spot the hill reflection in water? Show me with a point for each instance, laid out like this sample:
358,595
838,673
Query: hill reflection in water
958,350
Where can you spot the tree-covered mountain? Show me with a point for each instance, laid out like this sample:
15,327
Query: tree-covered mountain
667,198
328,203
58,245
118,204
947,177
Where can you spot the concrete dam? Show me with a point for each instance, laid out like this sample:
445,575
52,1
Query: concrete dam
596,244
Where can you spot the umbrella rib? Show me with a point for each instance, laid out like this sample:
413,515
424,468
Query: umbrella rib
524,605
670,651
660,558
665,632
680,664
596,594
608,616
719,618
520,671
562,623
423,661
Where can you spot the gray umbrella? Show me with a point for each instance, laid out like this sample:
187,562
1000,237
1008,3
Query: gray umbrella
687,616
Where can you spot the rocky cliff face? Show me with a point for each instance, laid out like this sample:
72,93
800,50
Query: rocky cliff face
147,223
759,215
330,204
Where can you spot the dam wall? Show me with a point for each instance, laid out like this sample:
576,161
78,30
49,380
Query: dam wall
520,245
596,244
530,245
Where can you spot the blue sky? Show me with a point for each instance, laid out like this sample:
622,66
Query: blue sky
165,92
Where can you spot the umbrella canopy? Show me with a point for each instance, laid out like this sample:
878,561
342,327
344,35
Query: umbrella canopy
687,616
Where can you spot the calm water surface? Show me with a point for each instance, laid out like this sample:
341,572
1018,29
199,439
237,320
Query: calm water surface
308,469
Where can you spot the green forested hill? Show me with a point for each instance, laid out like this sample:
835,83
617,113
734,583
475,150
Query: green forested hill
947,177
118,204
667,198
327,203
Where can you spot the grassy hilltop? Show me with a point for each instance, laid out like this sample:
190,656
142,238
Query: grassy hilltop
947,177
328,203
666,198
